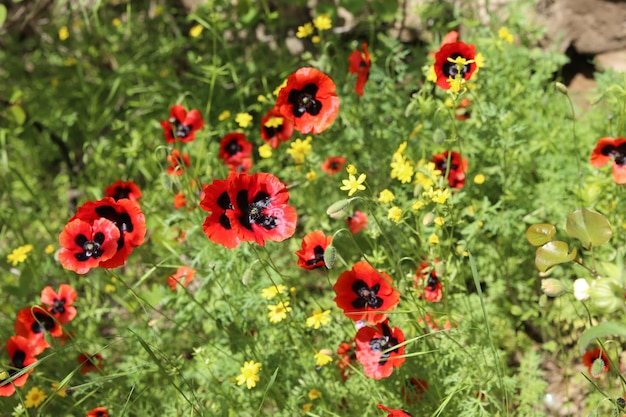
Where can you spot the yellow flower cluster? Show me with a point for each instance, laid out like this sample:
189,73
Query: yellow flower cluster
457,83
319,24
299,149
249,374
19,254
243,119
278,312
401,168
271,292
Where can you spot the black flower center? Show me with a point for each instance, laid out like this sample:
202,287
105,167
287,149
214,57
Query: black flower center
223,201
18,360
233,147
42,322
432,282
91,248
450,69
270,132
385,343
121,192
58,307
366,295
618,152
304,101
254,212
180,130
334,165
318,256
121,220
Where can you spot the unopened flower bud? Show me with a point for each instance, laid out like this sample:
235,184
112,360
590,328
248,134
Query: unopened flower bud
562,88
606,295
581,289
552,287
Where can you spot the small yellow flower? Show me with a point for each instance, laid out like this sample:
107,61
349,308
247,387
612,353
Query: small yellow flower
456,83
314,394
386,196
305,30
321,358
351,169
195,31
280,87
70,62
223,115
417,205
64,33
271,292
278,312
319,318
433,239
437,196
323,22
395,214
479,59
299,149
109,288
439,221
19,254
352,184
49,249
505,35
479,179
311,175
307,407
58,389
265,151
249,374
316,39
243,119
402,170
431,75
35,397
164,73
261,98
116,21
274,122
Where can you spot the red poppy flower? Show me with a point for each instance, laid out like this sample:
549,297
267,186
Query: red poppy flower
98,412
85,244
376,349
32,323
21,355
60,305
394,412
414,390
458,167
241,167
357,222
123,189
178,163
444,69
179,201
260,211
347,354
217,227
360,63
611,148
314,245
449,37
127,217
333,164
90,363
275,128
183,276
462,111
426,279
181,125
596,355
309,100
234,147
365,294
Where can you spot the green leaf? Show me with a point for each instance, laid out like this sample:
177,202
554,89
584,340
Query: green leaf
590,227
3,14
540,234
553,253
600,331
330,254
18,115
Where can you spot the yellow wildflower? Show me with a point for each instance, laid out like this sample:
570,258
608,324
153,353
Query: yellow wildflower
433,239
395,214
505,35
299,149
278,312
305,30
386,196
261,98
431,75
352,184
19,254
311,175
307,407
116,21
109,288
314,394
316,39
323,22
195,31
351,169
69,62
271,292
265,151
34,397
479,179
417,205
479,59
319,318
440,221
402,170
49,249
280,87
274,122
249,374
58,389
243,119
322,358
64,33
437,196
223,115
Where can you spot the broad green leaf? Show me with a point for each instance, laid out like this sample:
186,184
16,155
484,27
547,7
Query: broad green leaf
3,14
600,331
330,254
553,253
540,234
18,114
590,227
